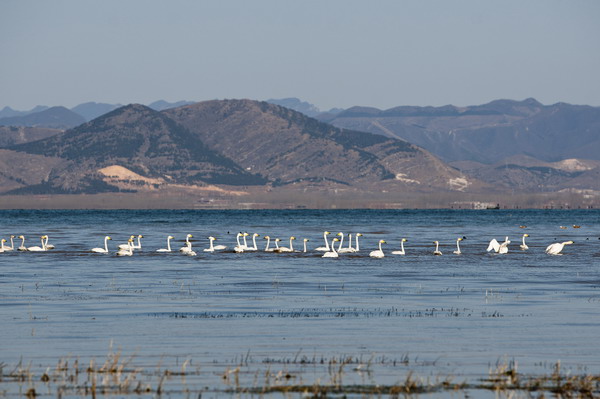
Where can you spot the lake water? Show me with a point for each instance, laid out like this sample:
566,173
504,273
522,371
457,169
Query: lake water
435,316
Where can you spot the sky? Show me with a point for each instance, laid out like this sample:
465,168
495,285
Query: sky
331,53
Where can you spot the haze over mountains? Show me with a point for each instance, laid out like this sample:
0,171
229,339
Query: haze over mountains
230,146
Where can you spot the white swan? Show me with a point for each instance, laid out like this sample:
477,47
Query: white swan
239,247
437,248
48,246
168,248
39,249
12,244
126,246
349,248
305,241
357,247
126,251
139,243
332,253
189,251
244,235
286,249
2,249
22,247
378,253
554,249
401,252
497,247
253,247
458,251
188,245
102,250
267,249
326,247
524,246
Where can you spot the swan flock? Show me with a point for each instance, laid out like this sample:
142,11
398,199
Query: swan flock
331,248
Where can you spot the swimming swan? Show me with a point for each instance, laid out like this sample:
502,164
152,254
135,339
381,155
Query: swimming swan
497,247
188,244
126,246
458,251
286,249
524,246
349,248
253,247
126,251
378,253
326,247
305,241
401,252
437,248
22,247
332,253
554,249
168,248
102,250
39,249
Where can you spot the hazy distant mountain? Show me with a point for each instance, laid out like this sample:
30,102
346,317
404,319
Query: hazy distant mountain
54,117
9,112
133,147
161,105
297,105
11,135
487,133
287,147
92,110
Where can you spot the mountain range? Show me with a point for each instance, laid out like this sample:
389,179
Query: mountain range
242,146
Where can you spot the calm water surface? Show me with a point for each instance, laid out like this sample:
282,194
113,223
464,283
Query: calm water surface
443,315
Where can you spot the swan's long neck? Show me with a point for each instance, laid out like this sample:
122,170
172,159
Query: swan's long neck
458,245
304,246
44,241
350,241
523,240
341,242
237,238
402,245
291,244
23,241
12,244
212,248
326,242
139,242
169,243
437,246
105,244
254,242
245,242
380,249
268,242
357,242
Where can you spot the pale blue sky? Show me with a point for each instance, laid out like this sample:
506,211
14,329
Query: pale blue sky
332,53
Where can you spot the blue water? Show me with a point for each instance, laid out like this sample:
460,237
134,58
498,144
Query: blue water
455,315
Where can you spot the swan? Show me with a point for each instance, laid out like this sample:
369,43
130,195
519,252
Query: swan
524,246
458,251
126,246
326,247
126,251
554,249
12,244
168,248
332,253
239,247
253,247
22,247
349,248
189,251
305,241
286,249
244,235
48,246
357,247
401,252
39,249
2,249
378,253
437,248
102,250
188,244
267,249
139,243
497,247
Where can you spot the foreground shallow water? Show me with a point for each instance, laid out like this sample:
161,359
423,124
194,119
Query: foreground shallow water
455,316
